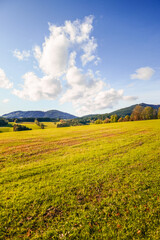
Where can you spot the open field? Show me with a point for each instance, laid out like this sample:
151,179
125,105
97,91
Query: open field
89,182
32,125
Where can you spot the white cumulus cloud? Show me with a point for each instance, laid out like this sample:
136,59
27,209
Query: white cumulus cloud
35,88
4,81
88,93
55,56
61,59
21,55
144,73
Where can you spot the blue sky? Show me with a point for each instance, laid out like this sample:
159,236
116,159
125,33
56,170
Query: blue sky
107,59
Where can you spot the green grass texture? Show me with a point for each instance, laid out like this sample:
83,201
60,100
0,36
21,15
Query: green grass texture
87,182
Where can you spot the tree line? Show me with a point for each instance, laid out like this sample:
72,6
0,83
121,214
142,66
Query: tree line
3,122
138,113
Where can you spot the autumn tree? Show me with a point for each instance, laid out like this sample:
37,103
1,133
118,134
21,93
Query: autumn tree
158,115
127,118
98,121
120,119
114,118
147,113
37,122
154,113
107,120
137,113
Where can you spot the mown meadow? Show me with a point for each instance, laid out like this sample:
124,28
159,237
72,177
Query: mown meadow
87,182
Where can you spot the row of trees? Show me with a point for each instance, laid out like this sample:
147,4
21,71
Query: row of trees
112,119
32,119
72,122
3,122
141,113
138,113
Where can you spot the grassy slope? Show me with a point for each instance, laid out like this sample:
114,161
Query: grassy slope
89,182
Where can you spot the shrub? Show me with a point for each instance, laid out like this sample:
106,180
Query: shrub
107,120
18,127
127,118
65,124
120,119
41,125
114,118
98,121
37,122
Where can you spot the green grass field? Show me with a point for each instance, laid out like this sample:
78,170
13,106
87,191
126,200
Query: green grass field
88,182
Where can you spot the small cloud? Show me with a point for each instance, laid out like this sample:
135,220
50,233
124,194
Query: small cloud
6,100
144,73
21,55
4,82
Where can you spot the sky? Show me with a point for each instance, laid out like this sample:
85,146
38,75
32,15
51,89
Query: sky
79,57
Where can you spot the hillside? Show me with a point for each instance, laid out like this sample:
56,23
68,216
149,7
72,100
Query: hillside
39,114
88,182
128,110
120,112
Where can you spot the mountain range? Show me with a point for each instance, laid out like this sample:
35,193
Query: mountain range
62,115
39,114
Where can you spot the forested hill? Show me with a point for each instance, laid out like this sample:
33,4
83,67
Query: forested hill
120,112
128,110
39,114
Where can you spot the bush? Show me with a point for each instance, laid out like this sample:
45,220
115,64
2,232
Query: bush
18,127
107,120
127,118
114,118
37,122
98,121
41,125
120,119
65,124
